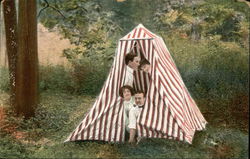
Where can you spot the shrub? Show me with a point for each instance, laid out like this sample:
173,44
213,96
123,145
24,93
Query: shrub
4,79
55,78
89,77
211,67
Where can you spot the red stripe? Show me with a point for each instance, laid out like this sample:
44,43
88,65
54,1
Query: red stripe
72,135
108,102
168,118
87,120
197,112
101,118
144,124
151,53
158,111
139,80
193,115
173,123
153,110
144,48
164,59
150,35
135,30
163,115
178,135
146,119
191,119
88,131
166,54
169,85
117,120
170,96
136,80
129,35
170,70
79,128
145,82
111,124
170,78
139,34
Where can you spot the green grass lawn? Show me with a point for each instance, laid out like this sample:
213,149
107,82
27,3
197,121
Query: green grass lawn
60,113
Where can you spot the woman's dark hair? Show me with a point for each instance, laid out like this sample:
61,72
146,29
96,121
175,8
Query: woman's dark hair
143,62
129,57
126,87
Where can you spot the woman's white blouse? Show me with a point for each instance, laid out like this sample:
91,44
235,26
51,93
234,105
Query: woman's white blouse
127,107
129,76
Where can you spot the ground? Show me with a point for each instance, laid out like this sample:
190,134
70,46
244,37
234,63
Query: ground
60,113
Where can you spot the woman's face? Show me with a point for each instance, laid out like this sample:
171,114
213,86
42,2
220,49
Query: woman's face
146,68
126,94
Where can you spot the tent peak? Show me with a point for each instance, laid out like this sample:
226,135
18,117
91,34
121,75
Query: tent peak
139,32
140,25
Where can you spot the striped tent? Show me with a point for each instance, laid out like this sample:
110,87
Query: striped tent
169,111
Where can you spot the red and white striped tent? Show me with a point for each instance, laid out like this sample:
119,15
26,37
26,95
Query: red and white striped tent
169,111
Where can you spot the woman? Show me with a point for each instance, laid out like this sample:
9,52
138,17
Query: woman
145,66
126,92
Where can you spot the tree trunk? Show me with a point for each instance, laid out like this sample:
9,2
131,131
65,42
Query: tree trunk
10,23
27,62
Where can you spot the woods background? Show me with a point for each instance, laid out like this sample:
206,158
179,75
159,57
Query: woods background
208,40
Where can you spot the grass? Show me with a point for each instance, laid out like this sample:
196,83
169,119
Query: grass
59,114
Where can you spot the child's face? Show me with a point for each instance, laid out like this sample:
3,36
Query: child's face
146,68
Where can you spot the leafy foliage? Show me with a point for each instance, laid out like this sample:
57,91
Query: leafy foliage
208,19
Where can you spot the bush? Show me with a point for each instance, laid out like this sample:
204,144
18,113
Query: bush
211,67
90,67
89,76
55,78
4,79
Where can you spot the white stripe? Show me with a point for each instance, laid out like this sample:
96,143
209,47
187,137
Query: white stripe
181,135
170,125
165,119
160,115
175,130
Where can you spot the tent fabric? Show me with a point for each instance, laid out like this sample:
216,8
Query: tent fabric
169,111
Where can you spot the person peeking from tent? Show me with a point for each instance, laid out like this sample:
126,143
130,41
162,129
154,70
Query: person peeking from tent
145,66
134,113
127,93
132,61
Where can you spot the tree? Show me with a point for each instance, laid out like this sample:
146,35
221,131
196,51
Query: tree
27,62
10,23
